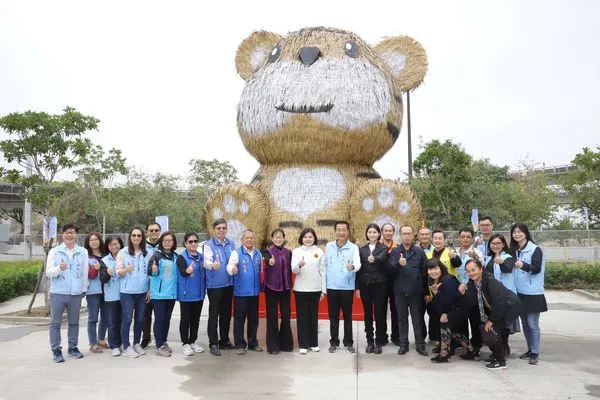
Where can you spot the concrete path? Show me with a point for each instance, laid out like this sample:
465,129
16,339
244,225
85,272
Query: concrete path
569,368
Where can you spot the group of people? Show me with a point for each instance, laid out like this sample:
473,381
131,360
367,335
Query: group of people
474,294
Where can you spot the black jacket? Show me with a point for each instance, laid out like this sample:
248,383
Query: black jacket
501,304
375,272
409,280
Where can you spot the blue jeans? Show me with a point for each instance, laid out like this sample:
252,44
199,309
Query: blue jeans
115,315
531,329
96,307
133,310
58,303
163,309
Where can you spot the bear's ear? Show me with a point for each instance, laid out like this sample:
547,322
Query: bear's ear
406,59
253,52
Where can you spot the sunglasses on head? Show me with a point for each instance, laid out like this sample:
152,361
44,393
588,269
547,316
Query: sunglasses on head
192,241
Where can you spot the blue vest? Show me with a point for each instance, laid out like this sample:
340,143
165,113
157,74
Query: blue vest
112,290
70,281
134,282
507,279
192,287
163,284
95,286
219,278
337,276
247,281
526,283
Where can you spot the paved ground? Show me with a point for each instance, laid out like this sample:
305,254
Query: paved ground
569,368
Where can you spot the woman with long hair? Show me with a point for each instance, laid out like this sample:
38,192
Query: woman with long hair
112,293
95,294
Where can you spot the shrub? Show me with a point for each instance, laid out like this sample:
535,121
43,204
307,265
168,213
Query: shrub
17,278
572,275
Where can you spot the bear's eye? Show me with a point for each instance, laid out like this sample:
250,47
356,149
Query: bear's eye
351,49
274,55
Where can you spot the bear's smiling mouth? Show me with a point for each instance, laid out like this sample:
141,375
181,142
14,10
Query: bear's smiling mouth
305,109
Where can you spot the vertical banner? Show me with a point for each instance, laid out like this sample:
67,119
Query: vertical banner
163,221
475,219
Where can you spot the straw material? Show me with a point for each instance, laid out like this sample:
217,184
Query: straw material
414,64
253,51
242,206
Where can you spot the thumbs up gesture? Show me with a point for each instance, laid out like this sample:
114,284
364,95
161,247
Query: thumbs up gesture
498,259
302,262
472,253
519,264
154,267
129,268
272,261
234,269
217,263
190,268
462,288
349,265
402,260
109,271
63,265
451,252
96,265
371,258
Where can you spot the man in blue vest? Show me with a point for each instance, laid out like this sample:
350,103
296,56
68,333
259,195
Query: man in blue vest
217,251
67,269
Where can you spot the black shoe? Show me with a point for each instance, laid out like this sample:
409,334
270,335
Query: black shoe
351,349
469,355
525,356
439,359
214,350
422,351
436,350
533,359
273,352
145,343
490,359
226,346
333,349
396,342
402,350
369,348
496,365
377,350
75,353
57,356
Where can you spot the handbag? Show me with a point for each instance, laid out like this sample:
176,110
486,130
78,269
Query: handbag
489,338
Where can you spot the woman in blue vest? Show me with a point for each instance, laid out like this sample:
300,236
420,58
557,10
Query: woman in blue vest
191,289
245,266
163,273
500,263
529,282
132,262
112,294
94,295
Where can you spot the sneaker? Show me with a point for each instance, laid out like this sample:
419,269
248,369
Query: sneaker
163,351
525,356
315,349
187,350
378,349
95,348
490,359
129,352
169,349
436,350
533,360
439,359
256,348
303,351
196,348
369,348
103,344
57,356
116,352
75,353
138,349
227,346
145,343
333,349
402,350
469,355
241,352
214,350
496,365
351,349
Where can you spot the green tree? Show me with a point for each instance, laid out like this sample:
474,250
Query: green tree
210,174
583,185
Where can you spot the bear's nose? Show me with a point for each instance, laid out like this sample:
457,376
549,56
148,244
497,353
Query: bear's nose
308,55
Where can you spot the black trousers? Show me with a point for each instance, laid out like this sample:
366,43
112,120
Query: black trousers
147,327
391,301
433,325
340,300
498,348
219,313
245,307
415,305
190,320
374,298
163,310
474,322
307,318
279,337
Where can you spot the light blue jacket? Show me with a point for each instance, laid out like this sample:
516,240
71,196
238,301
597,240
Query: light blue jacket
163,283
112,290
336,274
134,282
526,282
508,279
74,279
94,286
461,272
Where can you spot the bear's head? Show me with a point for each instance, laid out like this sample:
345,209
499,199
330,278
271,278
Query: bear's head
322,95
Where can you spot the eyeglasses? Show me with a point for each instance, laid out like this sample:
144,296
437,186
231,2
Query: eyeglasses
153,230
221,228
192,241
136,235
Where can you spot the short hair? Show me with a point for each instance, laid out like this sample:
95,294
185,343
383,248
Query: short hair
423,227
219,221
374,226
502,239
162,237
485,217
390,224
247,231
474,261
278,230
189,234
153,223
438,231
304,232
68,226
86,243
466,229
341,222
435,262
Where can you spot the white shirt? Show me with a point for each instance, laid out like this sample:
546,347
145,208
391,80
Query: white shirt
312,276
